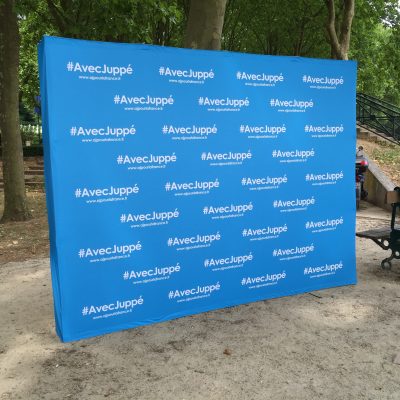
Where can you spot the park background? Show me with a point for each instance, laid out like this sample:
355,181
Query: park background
339,343
364,30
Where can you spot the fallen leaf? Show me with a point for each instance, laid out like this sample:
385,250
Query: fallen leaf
228,352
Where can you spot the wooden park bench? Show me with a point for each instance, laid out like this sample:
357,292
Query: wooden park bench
388,238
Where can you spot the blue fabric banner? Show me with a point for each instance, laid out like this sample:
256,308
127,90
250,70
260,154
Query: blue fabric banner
181,181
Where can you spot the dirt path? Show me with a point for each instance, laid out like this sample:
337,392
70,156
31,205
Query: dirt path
332,344
20,241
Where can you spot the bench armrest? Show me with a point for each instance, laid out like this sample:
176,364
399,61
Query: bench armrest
393,197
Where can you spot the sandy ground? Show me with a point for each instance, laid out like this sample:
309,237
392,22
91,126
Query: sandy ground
332,344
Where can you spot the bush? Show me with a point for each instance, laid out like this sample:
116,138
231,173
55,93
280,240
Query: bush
31,133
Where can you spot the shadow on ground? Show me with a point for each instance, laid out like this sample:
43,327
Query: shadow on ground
331,344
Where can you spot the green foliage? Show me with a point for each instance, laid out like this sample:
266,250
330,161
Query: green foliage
276,27
375,45
134,21
33,24
279,27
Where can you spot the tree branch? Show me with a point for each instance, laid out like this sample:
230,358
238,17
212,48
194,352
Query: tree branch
345,29
330,27
57,16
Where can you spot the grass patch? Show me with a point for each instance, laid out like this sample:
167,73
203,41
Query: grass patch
388,156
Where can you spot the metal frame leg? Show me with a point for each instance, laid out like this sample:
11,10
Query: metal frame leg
387,262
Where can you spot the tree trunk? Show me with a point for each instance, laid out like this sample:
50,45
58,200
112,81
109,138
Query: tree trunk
205,23
340,43
15,208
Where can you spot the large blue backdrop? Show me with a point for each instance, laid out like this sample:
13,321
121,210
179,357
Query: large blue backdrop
180,181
